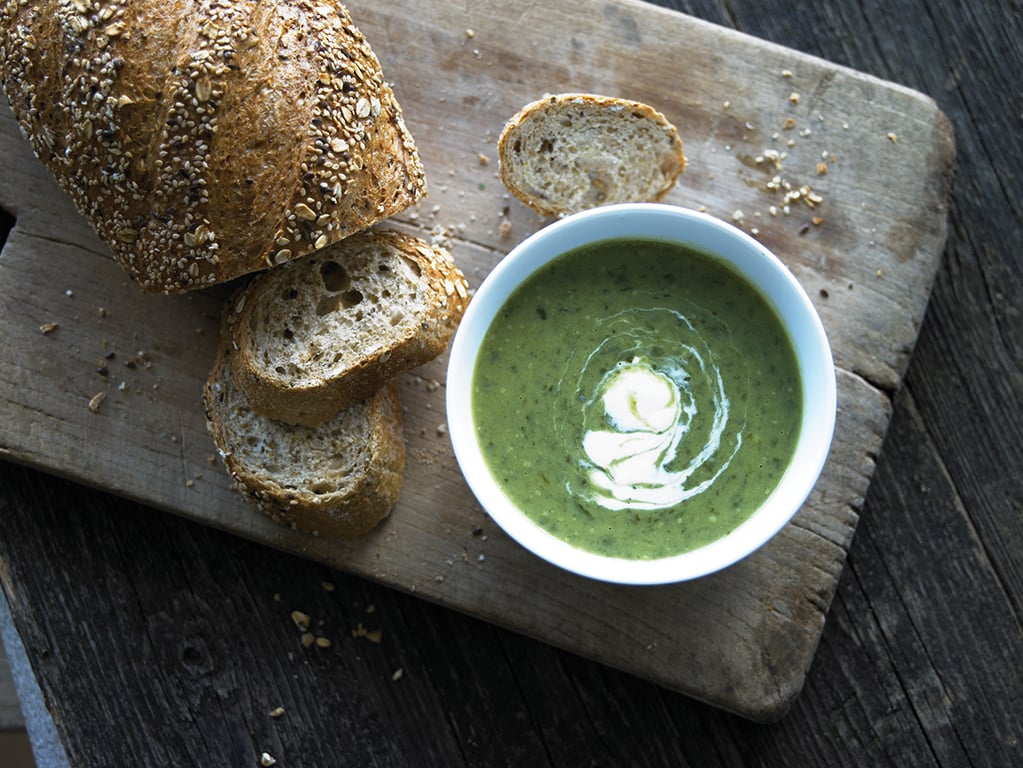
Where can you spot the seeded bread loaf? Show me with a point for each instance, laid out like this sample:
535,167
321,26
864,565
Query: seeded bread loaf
323,332
338,480
566,153
204,140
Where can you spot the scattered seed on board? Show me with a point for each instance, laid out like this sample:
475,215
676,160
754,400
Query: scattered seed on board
373,635
96,401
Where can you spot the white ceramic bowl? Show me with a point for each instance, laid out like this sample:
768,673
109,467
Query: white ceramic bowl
760,267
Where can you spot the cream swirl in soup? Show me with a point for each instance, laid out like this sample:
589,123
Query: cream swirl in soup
655,428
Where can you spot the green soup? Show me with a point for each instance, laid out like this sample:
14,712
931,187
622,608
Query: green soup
637,398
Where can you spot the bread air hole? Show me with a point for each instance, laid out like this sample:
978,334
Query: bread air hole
335,278
413,266
337,301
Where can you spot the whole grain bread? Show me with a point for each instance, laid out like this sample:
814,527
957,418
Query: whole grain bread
337,480
205,140
320,333
569,152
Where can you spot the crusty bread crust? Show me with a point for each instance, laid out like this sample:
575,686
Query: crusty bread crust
319,334
569,152
339,480
205,140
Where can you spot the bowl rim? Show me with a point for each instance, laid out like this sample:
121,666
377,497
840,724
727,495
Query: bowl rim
752,259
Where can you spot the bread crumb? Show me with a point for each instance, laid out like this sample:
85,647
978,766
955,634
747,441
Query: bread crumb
789,124
397,674
328,586
893,138
794,98
484,160
504,228
301,619
470,33
276,712
822,169
266,760
47,328
787,73
307,639
323,642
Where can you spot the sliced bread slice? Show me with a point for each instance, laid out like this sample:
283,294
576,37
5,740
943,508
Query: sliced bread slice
570,152
337,480
321,333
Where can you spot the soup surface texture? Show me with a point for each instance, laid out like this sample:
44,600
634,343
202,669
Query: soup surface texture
637,398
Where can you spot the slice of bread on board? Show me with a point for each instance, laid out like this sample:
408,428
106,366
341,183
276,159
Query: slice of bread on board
316,335
336,480
566,153
205,140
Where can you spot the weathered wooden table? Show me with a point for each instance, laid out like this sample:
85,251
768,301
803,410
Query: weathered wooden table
160,641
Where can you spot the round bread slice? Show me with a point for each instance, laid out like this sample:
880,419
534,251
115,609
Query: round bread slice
571,152
317,335
337,480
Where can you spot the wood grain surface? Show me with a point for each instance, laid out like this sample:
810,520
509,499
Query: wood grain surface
866,252
161,642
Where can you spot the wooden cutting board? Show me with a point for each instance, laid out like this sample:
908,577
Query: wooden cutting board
759,123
